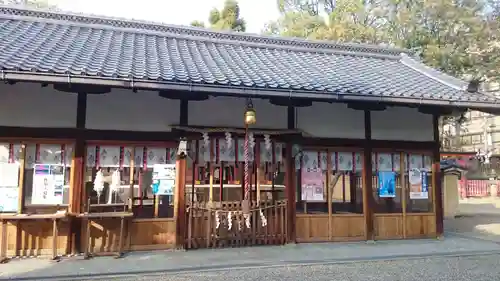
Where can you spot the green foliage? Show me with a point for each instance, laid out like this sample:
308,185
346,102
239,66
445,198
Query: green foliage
197,23
460,38
39,4
226,19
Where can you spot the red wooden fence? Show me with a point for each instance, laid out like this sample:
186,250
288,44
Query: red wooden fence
477,188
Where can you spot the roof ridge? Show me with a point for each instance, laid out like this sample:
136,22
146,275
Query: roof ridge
430,72
200,39
196,31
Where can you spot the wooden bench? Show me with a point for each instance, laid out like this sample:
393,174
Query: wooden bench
5,218
87,217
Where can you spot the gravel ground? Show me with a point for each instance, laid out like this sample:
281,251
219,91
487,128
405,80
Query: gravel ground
174,262
477,268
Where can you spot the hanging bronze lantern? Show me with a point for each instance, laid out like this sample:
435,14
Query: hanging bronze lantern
250,114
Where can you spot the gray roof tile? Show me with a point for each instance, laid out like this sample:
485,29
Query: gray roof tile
77,45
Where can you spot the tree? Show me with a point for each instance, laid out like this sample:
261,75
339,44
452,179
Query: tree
226,19
40,4
453,36
460,38
312,7
197,23
340,20
296,24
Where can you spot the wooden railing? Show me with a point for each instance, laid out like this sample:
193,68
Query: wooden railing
208,225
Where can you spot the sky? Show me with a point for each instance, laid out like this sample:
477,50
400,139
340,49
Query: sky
181,12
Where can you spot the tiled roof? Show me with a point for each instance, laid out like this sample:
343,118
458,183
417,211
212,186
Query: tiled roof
51,46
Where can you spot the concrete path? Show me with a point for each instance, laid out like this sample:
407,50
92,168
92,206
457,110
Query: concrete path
479,206
477,218
220,259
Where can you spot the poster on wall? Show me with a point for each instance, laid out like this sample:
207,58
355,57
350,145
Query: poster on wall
9,188
312,185
163,179
386,184
48,184
419,186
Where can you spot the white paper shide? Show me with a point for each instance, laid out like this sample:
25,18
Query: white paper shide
9,189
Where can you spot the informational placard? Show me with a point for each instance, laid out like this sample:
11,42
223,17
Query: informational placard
312,184
9,187
163,179
48,184
386,184
419,186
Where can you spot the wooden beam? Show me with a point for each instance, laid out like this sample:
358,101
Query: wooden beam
370,106
367,179
290,102
439,110
437,181
22,133
183,95
80,88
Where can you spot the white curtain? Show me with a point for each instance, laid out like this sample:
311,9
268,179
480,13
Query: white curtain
109,156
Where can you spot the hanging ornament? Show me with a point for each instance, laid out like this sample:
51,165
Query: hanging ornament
229,220
229,140
98,184
247,220
251,140
206,139
267,141
263,218
217,220
114,186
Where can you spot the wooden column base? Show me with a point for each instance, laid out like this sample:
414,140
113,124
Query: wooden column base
3,245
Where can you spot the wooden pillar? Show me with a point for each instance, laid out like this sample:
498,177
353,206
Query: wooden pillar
184,113
76,177
367,179
131,181
76,191
437,195
179,200
21,200
290,180
404,189
22,165
180,183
